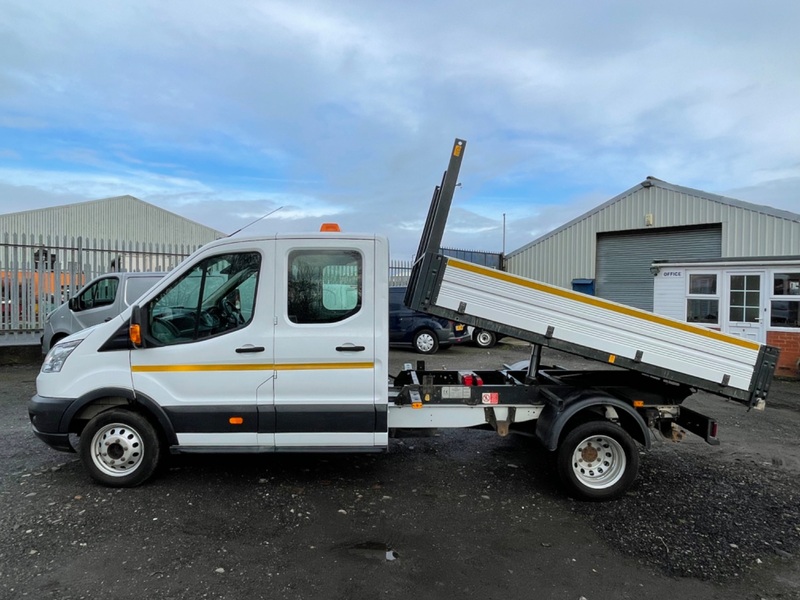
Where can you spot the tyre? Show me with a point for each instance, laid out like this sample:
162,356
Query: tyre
426,341
120,448
597,461
484,339
55,339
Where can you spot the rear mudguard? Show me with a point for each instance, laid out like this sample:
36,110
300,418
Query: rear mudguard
556,415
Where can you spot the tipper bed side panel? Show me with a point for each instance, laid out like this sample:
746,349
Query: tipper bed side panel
596,328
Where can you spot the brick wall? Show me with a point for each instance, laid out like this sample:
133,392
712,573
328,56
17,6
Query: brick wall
789,343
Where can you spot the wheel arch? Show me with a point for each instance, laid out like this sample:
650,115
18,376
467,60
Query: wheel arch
555,423
97,401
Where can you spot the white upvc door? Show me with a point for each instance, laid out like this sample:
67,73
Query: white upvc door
746,312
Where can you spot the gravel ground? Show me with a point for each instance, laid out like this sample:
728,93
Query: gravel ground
460,513
712,512
715,522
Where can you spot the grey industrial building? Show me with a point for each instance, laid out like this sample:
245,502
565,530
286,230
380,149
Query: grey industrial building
683,253
119,233
118,218
612,247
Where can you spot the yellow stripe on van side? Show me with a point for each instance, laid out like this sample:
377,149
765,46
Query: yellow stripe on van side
195,368
600,303
324,366
250,367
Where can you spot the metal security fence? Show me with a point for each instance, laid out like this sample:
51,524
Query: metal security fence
399,272
37,274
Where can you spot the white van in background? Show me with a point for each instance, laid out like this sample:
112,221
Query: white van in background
100,300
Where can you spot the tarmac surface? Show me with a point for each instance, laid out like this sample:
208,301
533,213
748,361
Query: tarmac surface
457,514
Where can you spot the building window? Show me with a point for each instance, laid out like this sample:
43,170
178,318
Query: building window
785,304
703,283
702,302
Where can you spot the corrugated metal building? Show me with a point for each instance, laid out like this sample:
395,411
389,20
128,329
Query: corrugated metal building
615,244
118,218
129,233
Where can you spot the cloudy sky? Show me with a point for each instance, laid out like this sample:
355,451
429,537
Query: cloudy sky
345,111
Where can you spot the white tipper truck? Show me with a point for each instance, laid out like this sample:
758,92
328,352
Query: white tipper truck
280,344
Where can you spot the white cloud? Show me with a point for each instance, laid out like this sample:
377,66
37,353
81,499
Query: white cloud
223,112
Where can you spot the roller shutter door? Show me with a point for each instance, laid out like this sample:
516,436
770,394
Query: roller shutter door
624,258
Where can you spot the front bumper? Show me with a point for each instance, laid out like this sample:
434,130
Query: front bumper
47,415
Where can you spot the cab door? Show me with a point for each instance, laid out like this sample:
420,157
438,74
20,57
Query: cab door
208,350
96,304
326,391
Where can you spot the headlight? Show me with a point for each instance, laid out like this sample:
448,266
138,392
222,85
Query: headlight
58,355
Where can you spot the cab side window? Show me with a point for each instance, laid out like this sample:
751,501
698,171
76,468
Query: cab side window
100,293
324,286
215,297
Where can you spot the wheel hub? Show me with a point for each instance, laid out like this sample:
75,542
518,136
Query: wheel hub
598,462
589,453
118,449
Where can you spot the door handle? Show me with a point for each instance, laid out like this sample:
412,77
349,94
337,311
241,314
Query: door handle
350,348
249,348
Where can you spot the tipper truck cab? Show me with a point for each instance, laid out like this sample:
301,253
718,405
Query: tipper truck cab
280,344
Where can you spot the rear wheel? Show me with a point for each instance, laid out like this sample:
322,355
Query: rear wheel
484,339
426,342
597,461
120,448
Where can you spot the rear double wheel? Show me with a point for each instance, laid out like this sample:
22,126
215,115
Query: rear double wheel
597,460
120,448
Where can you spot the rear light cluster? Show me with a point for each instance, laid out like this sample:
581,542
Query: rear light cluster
471,379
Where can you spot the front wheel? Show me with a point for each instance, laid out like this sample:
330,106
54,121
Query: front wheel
597,461
426,342
120,448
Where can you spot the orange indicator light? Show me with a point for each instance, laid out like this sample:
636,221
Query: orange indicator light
330,227
236,420
135,334
638,403
612,358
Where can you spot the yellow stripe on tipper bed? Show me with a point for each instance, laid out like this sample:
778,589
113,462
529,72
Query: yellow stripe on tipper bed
600,303
250,367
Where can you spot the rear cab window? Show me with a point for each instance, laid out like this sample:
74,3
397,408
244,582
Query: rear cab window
324,286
